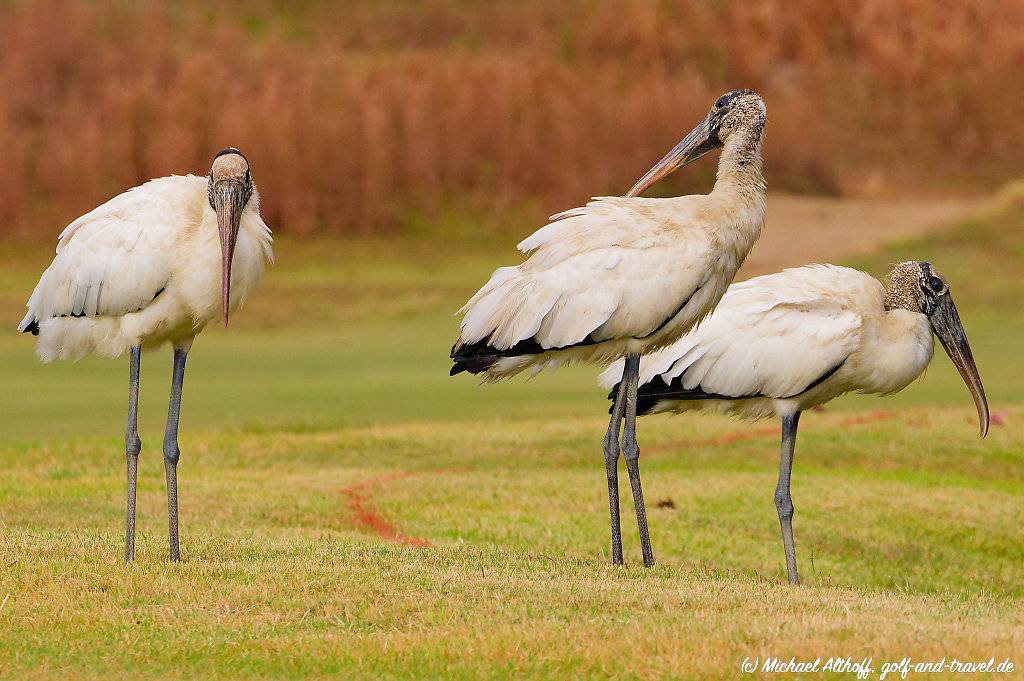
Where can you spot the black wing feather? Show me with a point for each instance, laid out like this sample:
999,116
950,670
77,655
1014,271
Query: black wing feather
655,390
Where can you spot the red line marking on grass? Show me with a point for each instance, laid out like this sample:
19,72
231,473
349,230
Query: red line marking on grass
872,417
764,431
367,517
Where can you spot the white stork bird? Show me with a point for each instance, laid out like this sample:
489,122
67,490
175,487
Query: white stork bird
786,342
624,276
154,265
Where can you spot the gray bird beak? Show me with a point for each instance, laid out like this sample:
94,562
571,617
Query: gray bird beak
700,141
228,202
950,332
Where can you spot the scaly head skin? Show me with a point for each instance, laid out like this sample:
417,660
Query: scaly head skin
918,287
228,190
914,286
739,111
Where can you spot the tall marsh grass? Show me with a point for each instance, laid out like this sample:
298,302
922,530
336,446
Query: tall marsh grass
355,114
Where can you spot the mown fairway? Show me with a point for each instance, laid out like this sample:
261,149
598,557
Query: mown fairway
348,509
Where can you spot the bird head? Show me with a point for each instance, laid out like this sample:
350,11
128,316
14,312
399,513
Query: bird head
737,111
732,112
229,190
918,287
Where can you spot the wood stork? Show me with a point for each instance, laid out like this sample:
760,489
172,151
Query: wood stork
782,343
154,265
623,276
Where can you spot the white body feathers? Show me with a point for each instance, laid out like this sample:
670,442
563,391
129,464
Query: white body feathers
143,269
618,276
785,342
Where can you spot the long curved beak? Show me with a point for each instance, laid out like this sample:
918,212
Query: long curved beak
950,332
700,141
228,202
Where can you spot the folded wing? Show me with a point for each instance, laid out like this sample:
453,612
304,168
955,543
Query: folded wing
117,258
604,271
773,336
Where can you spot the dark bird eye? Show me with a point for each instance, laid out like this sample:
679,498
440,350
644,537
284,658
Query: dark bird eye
936,284
722,101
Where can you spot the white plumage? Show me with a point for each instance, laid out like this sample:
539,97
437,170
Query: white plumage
785,342
142,269
782,343
153,265
623,276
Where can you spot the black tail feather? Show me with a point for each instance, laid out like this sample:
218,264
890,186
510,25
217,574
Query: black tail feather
480,356
645,402
475,358
474,365
649,394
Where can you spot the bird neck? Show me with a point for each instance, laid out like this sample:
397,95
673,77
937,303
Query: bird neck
897,299
901,294
894,348
739,168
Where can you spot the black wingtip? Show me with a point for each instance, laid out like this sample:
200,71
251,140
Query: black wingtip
475,358
32,328
644,403
611,396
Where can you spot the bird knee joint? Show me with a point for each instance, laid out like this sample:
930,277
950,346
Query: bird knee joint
171,453
132,444
631,451
784,504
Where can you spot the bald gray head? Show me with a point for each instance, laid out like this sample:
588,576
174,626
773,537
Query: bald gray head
918,287
230,165
739,111
229,190
915,286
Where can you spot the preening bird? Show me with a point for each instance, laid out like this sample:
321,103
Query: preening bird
624,276
786,342
154,265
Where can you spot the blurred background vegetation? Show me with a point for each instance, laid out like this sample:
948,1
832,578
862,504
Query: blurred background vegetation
358,115
402,148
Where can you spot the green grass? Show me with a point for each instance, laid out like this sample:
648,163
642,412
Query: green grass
327,407
908,545
343,333
357,332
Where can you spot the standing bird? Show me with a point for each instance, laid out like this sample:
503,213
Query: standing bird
786,342
151,266
623,276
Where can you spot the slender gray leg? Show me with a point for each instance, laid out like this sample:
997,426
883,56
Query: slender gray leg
783,501
171,451
631,451
611,461
132,446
